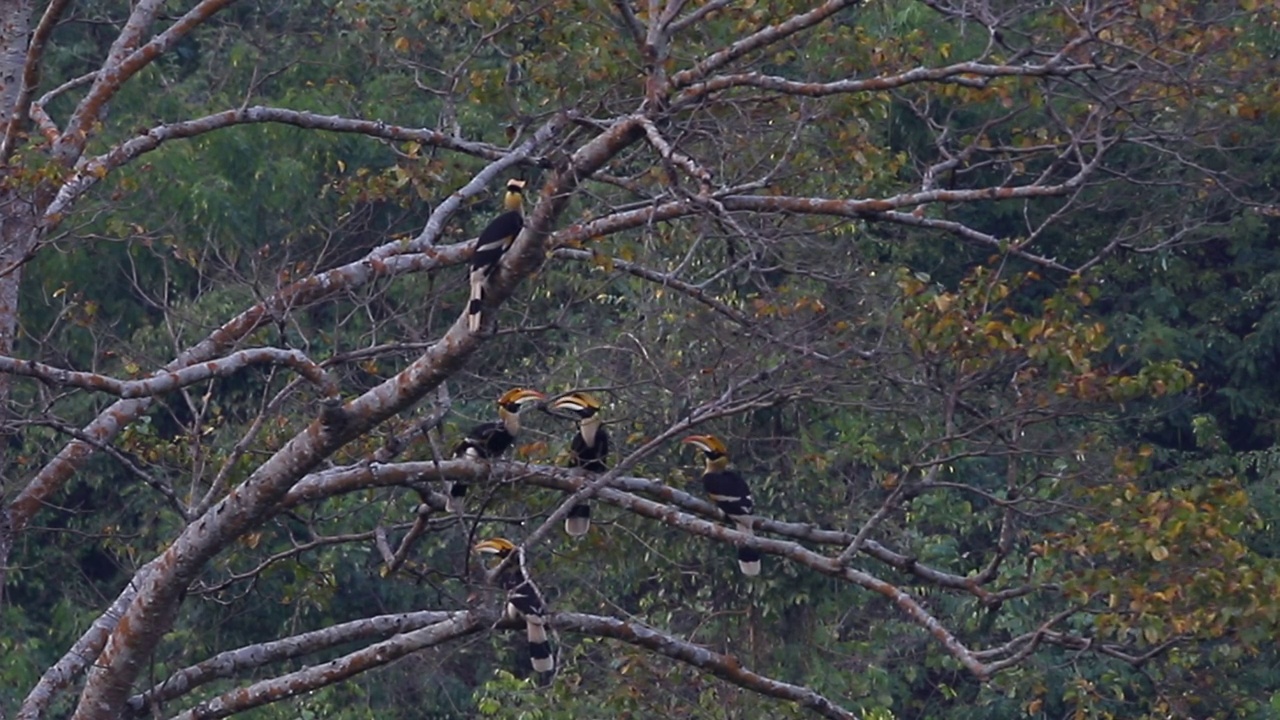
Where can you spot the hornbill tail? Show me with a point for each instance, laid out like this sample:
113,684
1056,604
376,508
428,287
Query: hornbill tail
579,520
539,647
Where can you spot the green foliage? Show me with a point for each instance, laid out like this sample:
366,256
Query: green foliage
1107,440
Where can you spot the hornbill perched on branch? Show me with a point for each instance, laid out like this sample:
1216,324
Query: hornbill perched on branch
493,241
729,492
523,599
491,439
588,451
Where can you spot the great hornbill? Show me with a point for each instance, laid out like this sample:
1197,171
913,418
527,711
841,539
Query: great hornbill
489,440
523,599
493,241
588,450
729,492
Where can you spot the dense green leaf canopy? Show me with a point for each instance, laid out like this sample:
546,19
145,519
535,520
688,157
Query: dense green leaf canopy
981,296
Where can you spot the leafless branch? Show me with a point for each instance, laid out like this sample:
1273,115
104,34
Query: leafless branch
723,666
168,381
253,657
310,678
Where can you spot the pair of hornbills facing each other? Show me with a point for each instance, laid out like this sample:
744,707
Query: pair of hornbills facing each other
589,449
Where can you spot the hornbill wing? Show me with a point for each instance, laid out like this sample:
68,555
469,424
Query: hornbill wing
729,492
492,243
485,441
495,239
526,602
590,457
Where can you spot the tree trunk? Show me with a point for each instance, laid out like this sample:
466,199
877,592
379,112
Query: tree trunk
17,220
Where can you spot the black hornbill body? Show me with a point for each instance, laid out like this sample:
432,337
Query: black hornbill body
489,440
492,243
524,600
588,450
729,491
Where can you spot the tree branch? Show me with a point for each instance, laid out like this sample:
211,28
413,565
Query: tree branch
241,660
90,171
759,39
970,74
460,624
119,66
726,667
168,381
30,76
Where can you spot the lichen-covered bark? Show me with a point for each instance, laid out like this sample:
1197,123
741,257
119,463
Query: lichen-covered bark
15,25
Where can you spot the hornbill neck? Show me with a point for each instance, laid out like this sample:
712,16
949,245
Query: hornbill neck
718,463
513,201
588,427
510,421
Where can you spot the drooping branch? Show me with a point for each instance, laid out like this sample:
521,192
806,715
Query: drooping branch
129,463
889,210
248,659
164,382
726,667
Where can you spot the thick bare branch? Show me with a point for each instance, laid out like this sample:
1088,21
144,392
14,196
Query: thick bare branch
30,75
165,382
247,659
286,686
123,61
62,673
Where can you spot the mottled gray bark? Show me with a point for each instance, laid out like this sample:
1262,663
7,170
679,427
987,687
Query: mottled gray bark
15,227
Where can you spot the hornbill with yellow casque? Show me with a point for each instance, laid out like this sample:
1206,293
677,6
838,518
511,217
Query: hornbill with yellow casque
588,450
489,440
729,492
492,243
523,599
